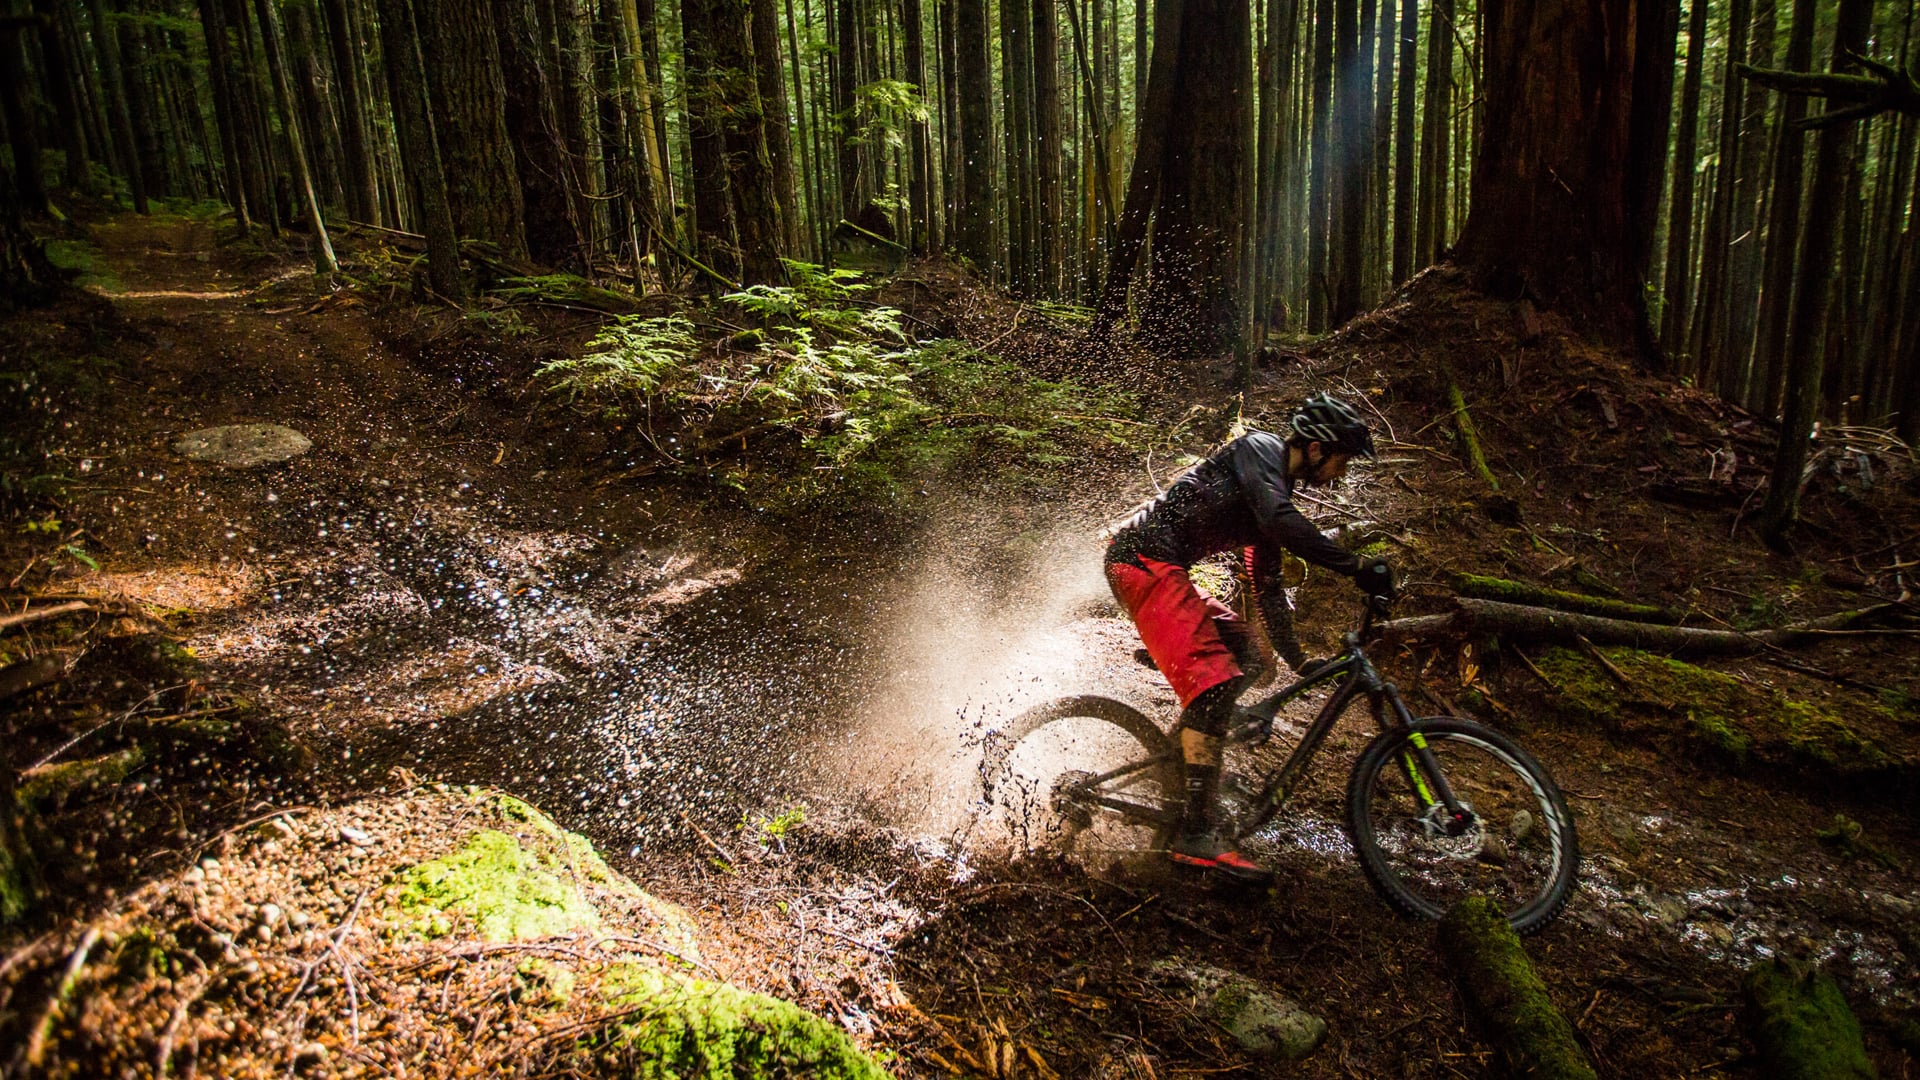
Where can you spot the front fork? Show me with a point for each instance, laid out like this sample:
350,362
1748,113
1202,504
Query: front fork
1419,763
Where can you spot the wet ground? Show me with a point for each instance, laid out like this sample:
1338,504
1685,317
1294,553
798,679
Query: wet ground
446,589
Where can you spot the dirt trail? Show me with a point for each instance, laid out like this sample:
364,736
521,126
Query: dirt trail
443,585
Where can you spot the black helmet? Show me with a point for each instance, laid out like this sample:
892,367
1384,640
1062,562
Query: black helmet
1333,423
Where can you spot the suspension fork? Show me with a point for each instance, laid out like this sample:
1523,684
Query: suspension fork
1418,761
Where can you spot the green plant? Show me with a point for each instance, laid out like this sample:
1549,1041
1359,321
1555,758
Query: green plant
637,359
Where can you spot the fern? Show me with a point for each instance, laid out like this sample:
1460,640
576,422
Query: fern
637,358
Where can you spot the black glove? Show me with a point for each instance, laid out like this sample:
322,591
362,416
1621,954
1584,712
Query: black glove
1375,578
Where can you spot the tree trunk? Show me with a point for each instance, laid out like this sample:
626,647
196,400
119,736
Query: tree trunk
650,163
323,261
1740,295
919,151
1506,997
1833,158
709,96
755,201
1350,142
1048,227
1677,274
1436,129
1379,207
1553,211
1322,172
22,132
316,119
974,237
251,110
419,143
1705,335
468,94
1016,67
778,126
142,97
1153,131
1783,225
362,196
1193,305
119,117
63,89
219,75
845,71
554,235
1403,202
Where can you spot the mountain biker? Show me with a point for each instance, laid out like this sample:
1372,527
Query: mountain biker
1239,500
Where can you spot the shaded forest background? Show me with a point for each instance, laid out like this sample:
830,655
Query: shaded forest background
1208,173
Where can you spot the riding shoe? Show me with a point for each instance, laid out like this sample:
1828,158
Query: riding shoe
1207,850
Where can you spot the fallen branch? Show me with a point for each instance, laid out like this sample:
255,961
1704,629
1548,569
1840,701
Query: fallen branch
57,783
9,622
1538,624
1483,587
1506,995
1469,438
37,1043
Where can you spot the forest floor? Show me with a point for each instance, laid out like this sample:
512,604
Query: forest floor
772,717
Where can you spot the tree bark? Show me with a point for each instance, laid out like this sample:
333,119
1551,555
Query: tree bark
22,132
63,89
1016,67
1677,271
1152,131
779,131
920,152
1833,158
974,237
1553,211
1193,304
363,198
119,117
419,143
1704,337
219,75
1350,141
316,118
1048,213
1403,186
1783,226
1436,130
468,95
1321,171
323,261
548,185
1549,626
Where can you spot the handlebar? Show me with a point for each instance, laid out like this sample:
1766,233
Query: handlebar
1375,606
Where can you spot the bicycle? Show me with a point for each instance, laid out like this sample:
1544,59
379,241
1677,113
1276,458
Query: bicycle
1437,808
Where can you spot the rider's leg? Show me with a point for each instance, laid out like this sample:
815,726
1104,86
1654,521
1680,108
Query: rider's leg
1200,841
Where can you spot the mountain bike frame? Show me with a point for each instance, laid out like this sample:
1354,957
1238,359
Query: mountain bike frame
1356,675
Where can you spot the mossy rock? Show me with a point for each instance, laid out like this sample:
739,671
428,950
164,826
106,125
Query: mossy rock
508,892
1726,719
671,1027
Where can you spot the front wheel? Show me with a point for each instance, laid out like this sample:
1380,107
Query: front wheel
1086,772
1513,841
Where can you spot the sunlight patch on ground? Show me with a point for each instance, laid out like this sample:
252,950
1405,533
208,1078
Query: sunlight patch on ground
190,587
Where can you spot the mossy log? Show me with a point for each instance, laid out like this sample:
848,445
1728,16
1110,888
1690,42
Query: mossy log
1545,625
16,679
1801,1025
1506,997
1483,587
1469,438
58,782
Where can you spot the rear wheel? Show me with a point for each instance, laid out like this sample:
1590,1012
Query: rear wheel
1087,774
1515,843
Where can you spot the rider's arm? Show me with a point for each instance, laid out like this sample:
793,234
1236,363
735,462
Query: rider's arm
1265,576
1259,462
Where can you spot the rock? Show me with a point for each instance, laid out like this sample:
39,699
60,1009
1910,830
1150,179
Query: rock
1670,910
356,837
242,446
1721,935
276,829
270,915
1261,1021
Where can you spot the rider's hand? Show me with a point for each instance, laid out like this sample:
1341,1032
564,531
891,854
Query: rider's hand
1375,578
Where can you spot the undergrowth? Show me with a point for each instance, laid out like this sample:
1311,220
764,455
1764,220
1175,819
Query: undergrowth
876,410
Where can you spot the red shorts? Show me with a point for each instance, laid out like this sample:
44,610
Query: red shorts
1181,626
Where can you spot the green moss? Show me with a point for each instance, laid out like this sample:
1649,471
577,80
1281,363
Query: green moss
1505,590
507,891
676,1027
55,783
1719,715
1802,1026
542,983
1506,994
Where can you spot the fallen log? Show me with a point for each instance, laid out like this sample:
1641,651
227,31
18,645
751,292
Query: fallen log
1539,624
16,679
1801,1026
1505,995
1483,587
57,782
1469,437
